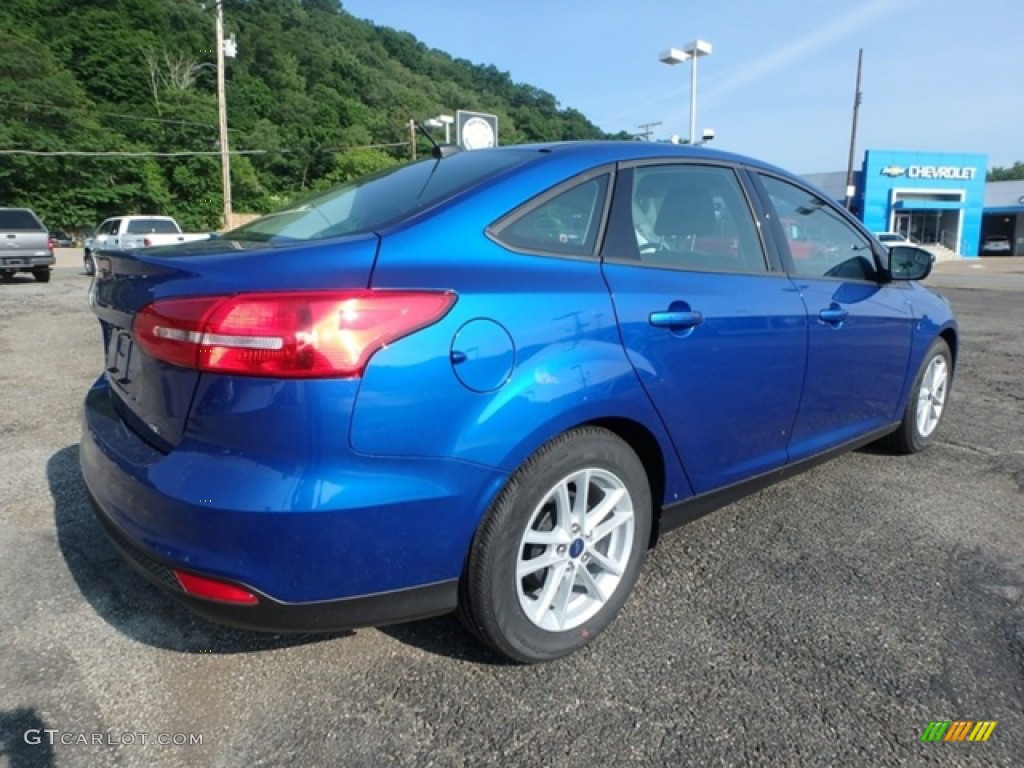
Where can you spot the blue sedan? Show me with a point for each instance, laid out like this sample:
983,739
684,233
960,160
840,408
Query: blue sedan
488,381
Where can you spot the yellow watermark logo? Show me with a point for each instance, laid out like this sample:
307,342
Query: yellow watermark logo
958,730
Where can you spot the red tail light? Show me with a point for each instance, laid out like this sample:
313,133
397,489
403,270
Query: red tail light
285,335
51,244
146,242
212,589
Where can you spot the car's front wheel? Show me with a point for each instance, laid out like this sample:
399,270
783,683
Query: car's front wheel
88,264
560,549
927,403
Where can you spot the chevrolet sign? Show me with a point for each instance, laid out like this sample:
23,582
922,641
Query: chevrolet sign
931,172
940,172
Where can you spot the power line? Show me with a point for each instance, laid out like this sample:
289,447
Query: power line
78,153
211,153
54,108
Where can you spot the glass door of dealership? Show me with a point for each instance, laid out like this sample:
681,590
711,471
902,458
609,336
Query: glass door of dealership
929,217
929,227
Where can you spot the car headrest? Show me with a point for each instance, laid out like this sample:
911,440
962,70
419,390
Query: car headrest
688,209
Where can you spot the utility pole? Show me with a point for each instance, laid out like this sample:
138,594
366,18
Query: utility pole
646,132
412,138
853,133
222,120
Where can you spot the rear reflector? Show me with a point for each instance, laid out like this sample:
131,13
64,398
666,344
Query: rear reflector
211,589
285,335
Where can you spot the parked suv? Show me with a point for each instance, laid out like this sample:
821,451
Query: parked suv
24,245
996,244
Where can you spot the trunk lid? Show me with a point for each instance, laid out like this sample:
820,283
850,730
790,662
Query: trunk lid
154,397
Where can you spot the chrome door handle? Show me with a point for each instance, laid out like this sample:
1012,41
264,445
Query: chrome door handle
834,316
675,320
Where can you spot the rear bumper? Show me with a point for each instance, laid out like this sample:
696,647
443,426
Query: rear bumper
23,262
365,541
270,615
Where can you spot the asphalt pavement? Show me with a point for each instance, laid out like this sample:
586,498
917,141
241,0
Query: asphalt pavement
825,621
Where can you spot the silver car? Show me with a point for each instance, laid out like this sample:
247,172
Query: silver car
25,245
996,244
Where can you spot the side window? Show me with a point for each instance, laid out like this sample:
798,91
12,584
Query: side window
566,224
821,242
694,217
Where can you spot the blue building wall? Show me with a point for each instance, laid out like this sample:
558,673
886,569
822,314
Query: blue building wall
940,172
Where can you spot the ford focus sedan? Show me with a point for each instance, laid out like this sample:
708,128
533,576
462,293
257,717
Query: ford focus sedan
487,382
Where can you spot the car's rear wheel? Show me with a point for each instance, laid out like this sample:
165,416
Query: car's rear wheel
41,275
560,549
927,403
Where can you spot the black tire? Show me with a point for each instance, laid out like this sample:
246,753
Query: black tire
492,596
917,430
6,276
41,275
90,267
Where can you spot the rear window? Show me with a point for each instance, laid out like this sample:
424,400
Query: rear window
19,219
152,227
378,200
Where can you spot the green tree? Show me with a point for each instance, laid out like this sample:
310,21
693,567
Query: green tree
315,93
1013,173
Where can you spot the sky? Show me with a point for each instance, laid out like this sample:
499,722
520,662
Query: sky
938,75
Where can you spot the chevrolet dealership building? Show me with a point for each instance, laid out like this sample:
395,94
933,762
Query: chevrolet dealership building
935,199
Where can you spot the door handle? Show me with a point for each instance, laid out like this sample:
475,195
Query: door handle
675,320
834,316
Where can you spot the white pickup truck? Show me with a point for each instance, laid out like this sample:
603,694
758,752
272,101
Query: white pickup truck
122,233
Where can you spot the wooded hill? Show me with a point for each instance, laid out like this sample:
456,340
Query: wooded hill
315,96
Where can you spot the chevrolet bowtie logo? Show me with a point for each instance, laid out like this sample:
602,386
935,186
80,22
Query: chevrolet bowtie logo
893,170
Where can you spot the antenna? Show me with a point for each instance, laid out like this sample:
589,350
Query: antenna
437,151
425,132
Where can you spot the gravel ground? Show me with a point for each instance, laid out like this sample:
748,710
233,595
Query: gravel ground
824,621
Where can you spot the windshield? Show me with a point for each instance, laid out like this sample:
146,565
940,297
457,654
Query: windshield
373,202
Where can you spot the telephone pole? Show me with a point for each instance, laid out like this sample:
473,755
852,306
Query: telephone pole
222,120
646,132
853,133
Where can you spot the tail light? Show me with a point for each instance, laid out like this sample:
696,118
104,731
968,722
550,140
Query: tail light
147,242
50,243
285,335
213,589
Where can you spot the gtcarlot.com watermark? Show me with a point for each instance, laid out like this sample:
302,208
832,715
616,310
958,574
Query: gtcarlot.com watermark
53,737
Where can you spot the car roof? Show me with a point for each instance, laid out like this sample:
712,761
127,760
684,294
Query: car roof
625,151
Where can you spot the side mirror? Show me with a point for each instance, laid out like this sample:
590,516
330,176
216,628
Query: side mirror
909,263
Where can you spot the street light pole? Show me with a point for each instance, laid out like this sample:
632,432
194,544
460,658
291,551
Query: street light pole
692,52
442,120
222,120
693,99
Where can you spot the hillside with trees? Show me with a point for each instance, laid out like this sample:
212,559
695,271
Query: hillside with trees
111,105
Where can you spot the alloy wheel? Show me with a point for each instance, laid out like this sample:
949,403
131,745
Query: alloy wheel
575,549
